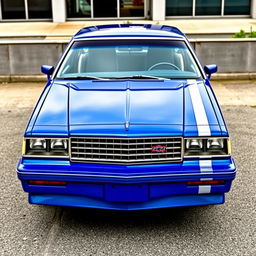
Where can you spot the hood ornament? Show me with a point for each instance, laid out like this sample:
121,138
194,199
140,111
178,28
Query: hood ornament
127,125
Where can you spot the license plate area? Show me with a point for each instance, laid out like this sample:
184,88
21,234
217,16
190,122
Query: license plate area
126,193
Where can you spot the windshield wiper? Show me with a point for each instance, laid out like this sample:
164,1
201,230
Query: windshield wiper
82,78
140,77
121,77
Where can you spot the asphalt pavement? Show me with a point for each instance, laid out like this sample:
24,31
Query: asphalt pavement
228,229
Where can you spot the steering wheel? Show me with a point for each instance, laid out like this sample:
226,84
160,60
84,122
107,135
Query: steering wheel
163,63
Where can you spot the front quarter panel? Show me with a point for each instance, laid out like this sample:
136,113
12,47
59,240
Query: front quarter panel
217,109
52,118
36,110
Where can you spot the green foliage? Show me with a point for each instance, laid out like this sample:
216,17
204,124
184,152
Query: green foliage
252,33
243,34
240,34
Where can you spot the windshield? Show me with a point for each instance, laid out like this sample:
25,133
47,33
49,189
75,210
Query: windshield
108,59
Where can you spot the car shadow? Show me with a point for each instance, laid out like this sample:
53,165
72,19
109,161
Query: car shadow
173,217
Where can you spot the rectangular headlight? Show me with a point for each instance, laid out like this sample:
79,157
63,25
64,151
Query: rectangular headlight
215,144
194,144
37,144
59,144
57,147
212,146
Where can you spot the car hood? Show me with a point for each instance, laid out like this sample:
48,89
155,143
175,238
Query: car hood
123,108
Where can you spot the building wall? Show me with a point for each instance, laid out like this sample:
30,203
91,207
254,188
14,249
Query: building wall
157,10
26,57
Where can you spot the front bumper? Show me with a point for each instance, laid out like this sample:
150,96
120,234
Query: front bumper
126,187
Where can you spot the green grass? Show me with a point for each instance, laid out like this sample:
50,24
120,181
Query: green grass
243,34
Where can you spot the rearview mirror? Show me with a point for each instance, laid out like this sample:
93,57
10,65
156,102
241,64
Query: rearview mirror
48,70
210,69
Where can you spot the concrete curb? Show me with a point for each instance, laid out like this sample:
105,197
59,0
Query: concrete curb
234,76
23,78
42,78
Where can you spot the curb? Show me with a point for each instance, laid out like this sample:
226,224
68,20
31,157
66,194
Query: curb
22,78
234,76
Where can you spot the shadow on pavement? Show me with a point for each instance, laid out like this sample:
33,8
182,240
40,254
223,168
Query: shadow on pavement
157,217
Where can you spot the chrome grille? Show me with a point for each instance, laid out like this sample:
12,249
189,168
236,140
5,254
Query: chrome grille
125,150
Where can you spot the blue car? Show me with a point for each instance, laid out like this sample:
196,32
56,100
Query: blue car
128,120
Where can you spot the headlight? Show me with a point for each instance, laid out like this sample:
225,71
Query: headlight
207,146
215,144
37,144
59,144
57,147
194,144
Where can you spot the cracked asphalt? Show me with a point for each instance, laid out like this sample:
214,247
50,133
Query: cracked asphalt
228,229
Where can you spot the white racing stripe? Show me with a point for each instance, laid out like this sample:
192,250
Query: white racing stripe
199,110
205,167
203,130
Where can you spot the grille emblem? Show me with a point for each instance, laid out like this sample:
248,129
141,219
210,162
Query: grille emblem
159,149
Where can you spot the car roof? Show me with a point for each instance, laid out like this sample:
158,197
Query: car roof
130,30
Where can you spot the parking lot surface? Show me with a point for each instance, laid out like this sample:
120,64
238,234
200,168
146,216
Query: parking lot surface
228,229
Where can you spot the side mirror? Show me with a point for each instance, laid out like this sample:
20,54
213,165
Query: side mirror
210,69
48,70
